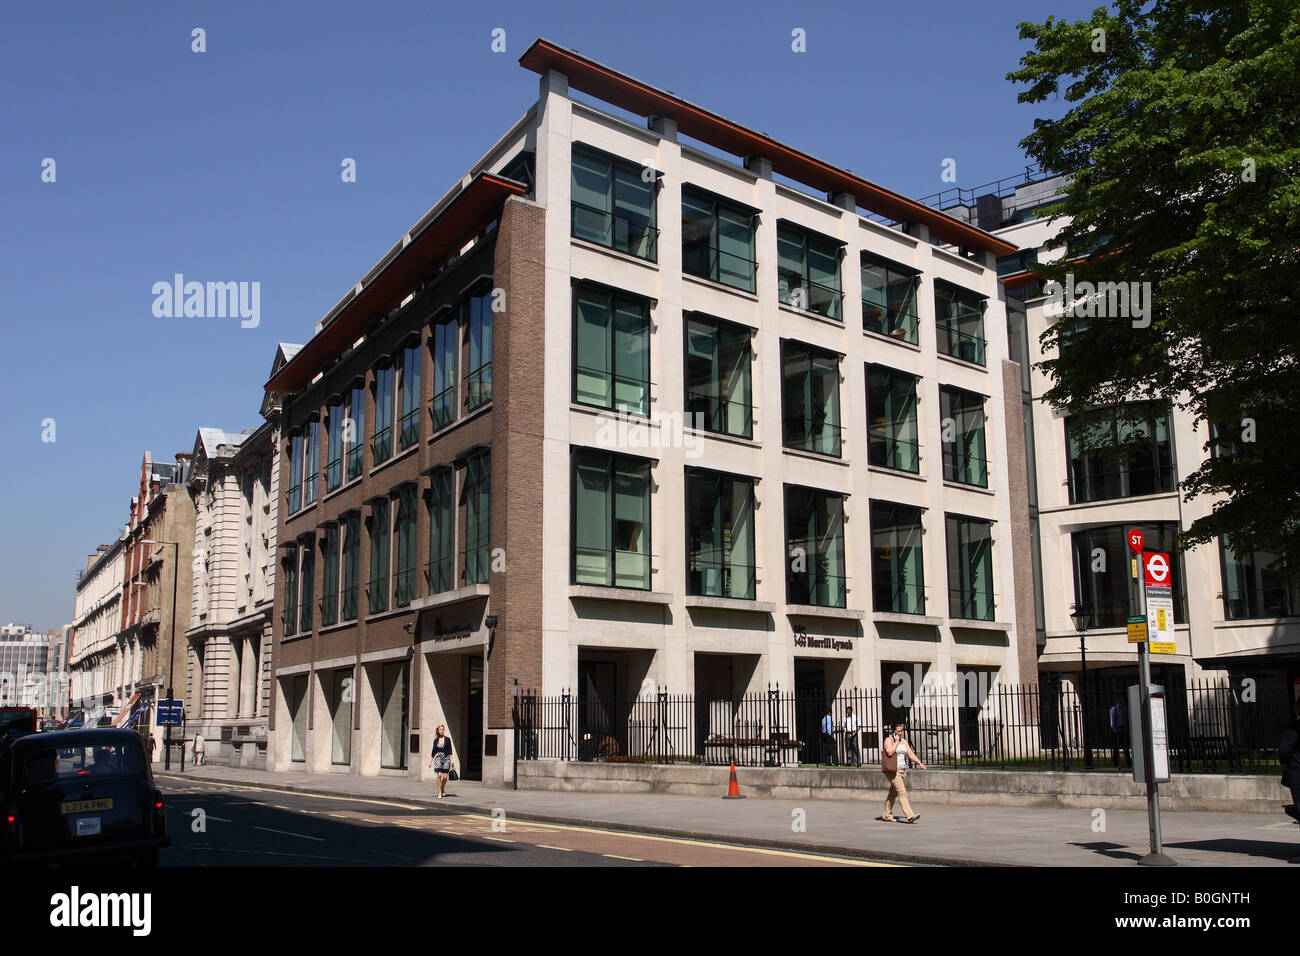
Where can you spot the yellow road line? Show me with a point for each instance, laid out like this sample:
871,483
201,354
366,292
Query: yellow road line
317,796
499,839
630,859
547,846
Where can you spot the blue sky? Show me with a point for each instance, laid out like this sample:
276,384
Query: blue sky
224,165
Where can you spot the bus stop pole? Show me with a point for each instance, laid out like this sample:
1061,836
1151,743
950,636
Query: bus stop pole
1137,599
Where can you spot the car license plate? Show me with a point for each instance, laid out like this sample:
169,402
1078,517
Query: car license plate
88,826
87,806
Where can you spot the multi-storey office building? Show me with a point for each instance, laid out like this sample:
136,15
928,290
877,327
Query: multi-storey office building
230,637
1232,612
93,650
623,413
26,666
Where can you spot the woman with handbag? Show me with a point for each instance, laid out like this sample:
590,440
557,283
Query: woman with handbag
894,754
442,759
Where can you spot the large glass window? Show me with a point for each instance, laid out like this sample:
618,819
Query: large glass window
970,568
892,438
393,716
1253,585
808,270
613,203
478,495
295,472
404,529
311,462
383,442
962,432
307,583
341,695
329,586
718,392
297,688
408,426
379,535
444,339
355,429
889,298
1128,457
814,539
290,590
334,447
810,398
611,520
478,322
351,564
611,366
719,535
959,322
1101,565
717,239
442,530
897,567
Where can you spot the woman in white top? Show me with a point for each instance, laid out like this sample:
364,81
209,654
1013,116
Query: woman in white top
896,752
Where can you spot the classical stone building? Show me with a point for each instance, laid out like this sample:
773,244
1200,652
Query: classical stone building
637,407
93,652
229,638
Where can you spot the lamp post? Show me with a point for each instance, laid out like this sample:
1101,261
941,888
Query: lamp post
514,715
1082,617
171,665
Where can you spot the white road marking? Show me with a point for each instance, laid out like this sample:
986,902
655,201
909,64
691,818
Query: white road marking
301,836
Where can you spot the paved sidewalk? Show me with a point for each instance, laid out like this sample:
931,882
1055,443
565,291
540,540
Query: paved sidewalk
958,835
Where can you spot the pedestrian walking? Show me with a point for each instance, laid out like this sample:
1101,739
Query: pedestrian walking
851,724
1289,752
893,762
442,759
151,744
829,754
200,755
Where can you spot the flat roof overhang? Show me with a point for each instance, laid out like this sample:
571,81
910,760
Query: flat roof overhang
623,91
465,216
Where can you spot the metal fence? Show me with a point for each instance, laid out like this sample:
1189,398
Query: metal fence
1211,728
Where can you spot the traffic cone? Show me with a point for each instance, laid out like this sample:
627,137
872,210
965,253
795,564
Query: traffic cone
733,788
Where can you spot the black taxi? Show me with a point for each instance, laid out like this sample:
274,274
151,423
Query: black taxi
77,794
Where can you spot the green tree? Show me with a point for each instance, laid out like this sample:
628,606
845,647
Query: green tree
1182,132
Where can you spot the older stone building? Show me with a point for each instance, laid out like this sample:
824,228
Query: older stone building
230,638
93,653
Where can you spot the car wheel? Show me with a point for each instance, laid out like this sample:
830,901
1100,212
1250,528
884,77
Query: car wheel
148,858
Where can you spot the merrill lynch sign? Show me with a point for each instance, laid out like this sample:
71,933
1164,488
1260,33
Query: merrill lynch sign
825,643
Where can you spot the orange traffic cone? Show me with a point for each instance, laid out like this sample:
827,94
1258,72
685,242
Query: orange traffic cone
733,789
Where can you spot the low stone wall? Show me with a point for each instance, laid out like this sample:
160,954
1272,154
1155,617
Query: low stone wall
1110,791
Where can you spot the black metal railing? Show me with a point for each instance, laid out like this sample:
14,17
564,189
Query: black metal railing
439,574
895,323
443,408
964,468
963,345
812,433
972,723
409,428
720,415
799,292
718,266
886,451
381,448
636,237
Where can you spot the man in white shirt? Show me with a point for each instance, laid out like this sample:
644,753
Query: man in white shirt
851,725
896,752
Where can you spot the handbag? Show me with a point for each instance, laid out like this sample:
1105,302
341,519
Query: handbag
453,775
889,762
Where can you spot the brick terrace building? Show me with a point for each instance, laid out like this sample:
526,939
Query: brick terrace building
620,413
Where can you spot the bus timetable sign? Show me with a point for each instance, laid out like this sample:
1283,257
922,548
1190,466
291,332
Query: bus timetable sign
1157,578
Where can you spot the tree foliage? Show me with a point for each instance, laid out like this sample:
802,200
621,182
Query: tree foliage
1183,138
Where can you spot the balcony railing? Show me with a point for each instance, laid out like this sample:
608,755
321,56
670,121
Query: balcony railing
382,447
479,386
443,408
799,292
611,567
409,429
900,599
959,344
718,266
719,414
712,573
966,469
404,590
635,237
355,455
970,605
621,392
891,322
886,451
802,431
377,594
439,574
333,473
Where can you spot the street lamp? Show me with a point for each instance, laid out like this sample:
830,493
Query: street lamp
171,665
1082,618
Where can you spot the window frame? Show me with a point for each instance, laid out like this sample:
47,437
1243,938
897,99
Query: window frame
719,327
612,462
891,457
787,232
895,545
952,344
891,323
719,204
613,298
957,468
614,165
818,497
722,483
953,552
809,417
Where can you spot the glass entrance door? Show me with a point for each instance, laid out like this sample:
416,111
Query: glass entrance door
473,743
